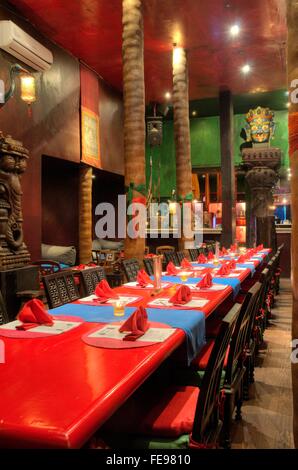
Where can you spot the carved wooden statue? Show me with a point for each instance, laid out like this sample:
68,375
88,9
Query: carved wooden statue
13,163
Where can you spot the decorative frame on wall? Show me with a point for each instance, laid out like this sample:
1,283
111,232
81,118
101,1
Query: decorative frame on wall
90,138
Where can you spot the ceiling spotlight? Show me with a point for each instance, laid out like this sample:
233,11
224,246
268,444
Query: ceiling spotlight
235,30
168,95
288,105
245,69
287,93
194,113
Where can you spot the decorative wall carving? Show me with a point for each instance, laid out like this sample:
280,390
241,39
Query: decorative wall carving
13,163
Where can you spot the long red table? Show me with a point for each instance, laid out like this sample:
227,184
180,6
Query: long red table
57,391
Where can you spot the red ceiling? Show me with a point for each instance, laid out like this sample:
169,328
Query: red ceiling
91,30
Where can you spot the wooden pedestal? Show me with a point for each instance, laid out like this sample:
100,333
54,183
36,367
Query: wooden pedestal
16,280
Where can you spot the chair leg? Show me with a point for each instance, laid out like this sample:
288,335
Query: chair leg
246,381
226,431
251,371
239,402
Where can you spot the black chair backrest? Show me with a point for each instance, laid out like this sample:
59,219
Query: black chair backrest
148,265
3,313
254,309
180,255
131,268
265,281
60,288
207,407
210,245
241,333
193,253
171,256
90,277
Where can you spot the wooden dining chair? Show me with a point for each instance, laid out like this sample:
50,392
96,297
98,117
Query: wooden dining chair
148,265
161,250
131,268
175,416
237,362
171,256
193,254
180,255
60,288
90,277
251,341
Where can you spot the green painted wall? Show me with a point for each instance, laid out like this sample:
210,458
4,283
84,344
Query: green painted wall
205,148
165,156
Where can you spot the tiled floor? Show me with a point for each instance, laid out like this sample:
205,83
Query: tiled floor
267,416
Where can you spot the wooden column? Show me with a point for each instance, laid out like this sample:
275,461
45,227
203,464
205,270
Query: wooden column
85,208
227,168
292,17
181,127
134,107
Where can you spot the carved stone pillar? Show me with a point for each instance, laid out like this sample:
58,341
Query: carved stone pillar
261,165
16,275
13,163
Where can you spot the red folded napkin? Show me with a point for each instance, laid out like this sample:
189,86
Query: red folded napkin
182,296
143,279
171,269
233,248
210,255
137,324
260,247
34,314
224,250
185,263
80,267
224,270
206,282
220,253
202,259
241,259
104,292
232,264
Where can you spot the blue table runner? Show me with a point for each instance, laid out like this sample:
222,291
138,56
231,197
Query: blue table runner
192,322
232,282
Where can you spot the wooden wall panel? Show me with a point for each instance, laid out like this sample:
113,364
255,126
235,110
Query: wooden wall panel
53,128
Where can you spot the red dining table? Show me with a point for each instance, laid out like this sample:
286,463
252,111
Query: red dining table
57,391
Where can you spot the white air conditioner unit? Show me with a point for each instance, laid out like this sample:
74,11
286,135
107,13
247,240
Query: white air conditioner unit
22,46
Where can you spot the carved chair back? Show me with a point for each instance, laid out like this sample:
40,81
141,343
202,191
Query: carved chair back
60,288
131,268
90,277
171,256
207,409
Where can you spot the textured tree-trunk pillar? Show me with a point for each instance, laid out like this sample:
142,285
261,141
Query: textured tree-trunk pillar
292,14
181,128
134,107
85,208
227,168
